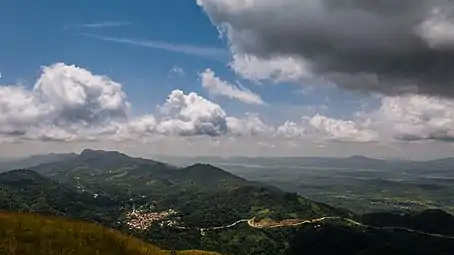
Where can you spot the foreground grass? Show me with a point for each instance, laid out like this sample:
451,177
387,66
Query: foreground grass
31,234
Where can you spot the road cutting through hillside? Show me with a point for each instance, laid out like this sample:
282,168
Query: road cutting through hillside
293,223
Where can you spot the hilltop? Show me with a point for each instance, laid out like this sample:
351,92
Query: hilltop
202,194
204,207
30,234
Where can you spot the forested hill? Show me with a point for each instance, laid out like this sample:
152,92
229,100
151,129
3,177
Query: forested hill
206,208
204,195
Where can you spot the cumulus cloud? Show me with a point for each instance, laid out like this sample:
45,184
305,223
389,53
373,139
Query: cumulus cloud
19,109
393,47
64,100
401,118
191,114
248,126
76,95
216,86
291,129
414,117
68,103
51,134
343,130
142,125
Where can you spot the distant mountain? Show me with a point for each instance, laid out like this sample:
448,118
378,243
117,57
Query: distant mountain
438,166
364,159
207,176
32,161
100,161
94,170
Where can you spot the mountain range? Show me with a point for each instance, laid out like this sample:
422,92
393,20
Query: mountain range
204,207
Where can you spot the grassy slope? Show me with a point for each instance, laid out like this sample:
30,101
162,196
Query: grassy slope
23,234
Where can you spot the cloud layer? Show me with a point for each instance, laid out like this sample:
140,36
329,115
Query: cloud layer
389,46
68,103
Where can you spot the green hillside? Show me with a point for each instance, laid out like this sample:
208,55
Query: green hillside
199,207
28,191
30,234
203,195
328,239
429,221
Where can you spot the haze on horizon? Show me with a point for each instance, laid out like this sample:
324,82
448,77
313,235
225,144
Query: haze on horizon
222,81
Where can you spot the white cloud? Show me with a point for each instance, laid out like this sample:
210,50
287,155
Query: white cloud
219,87
291,129
277,69
76,95
65,102
71,104
191,115
249,126
20,109
176,70
398,118
144,124
51,133
414,117
438,29
343,130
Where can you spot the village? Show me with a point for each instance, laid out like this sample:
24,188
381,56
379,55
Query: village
143,220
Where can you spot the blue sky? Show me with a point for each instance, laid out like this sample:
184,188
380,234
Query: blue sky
59,62
42,34
51,31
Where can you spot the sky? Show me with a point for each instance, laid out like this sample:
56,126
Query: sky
228,77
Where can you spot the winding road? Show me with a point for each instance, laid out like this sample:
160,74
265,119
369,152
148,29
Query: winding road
251,223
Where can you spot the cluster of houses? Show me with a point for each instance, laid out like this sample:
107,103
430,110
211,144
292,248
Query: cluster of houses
143,220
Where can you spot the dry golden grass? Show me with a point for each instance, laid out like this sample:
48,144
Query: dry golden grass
31,234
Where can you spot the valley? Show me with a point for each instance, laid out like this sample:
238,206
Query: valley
359,183
203,207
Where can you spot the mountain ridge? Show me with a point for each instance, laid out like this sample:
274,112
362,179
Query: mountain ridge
182,208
